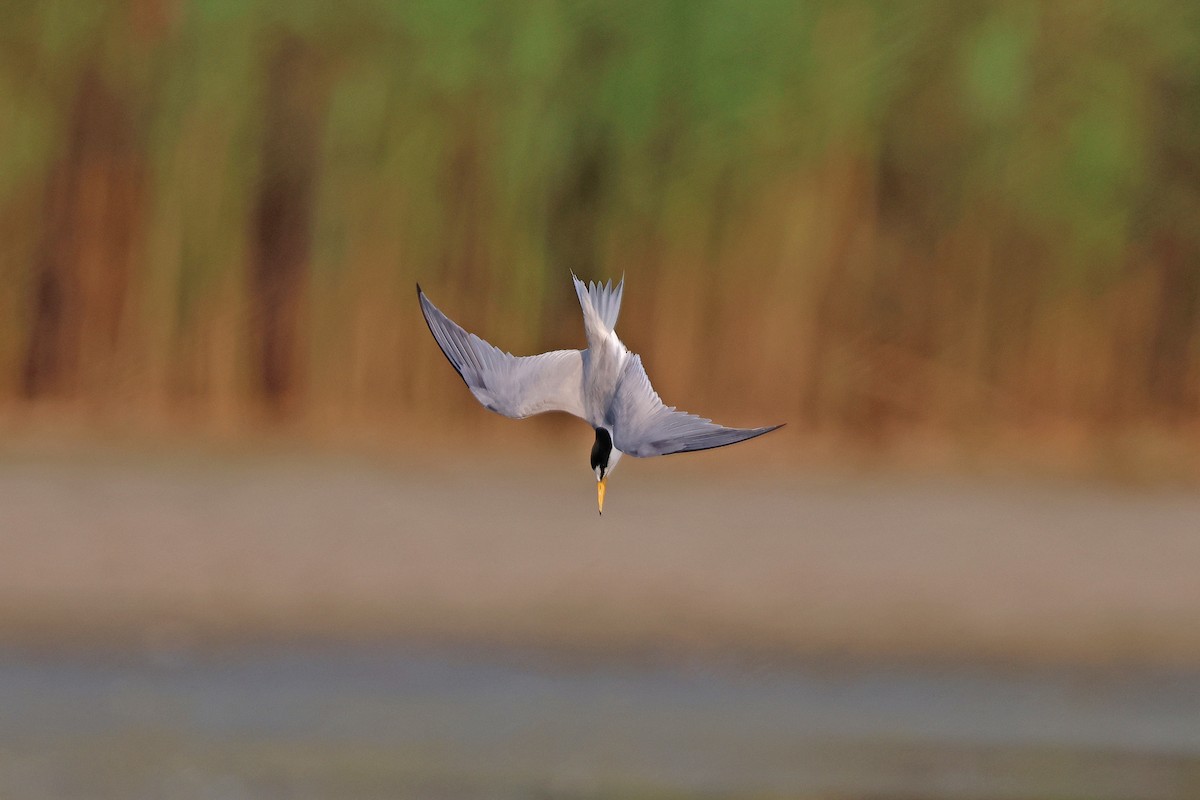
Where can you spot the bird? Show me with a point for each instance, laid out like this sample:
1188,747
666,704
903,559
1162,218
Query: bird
604,384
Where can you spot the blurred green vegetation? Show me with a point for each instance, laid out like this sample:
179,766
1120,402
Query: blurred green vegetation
866,217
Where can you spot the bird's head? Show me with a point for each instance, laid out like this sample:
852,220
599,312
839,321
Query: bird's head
604,461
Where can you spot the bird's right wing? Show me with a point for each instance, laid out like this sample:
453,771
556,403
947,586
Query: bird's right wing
509,385
642,426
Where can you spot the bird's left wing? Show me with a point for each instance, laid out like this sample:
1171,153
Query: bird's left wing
509,385
643,426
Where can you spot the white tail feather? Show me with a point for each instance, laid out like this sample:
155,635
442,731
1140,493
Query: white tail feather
602,299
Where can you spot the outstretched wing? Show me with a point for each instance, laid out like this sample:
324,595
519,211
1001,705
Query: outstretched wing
509,385
642,426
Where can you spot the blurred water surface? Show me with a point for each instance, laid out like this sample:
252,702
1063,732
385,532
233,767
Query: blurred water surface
383,721
722,630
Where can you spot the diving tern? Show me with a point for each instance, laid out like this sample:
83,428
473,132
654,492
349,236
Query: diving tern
604,385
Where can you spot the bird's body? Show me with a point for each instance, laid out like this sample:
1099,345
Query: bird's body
604,360
605,385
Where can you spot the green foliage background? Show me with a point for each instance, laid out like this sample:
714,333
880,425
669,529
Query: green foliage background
865,217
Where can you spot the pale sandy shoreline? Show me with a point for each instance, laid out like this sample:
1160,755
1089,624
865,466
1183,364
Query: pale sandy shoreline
702,556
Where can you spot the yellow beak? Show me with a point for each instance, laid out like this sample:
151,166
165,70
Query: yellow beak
600,493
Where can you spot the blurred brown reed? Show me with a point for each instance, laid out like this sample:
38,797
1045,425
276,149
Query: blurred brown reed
864,218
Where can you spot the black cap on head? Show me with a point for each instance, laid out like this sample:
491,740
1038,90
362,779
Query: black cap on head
601,450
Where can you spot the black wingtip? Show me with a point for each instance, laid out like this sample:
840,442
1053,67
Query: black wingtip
419,292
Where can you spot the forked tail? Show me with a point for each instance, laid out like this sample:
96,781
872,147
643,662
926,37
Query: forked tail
601,304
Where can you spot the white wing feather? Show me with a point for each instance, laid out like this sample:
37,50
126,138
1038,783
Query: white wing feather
643,426
514,386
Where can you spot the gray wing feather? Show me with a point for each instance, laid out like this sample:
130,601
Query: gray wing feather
643,426
514,386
